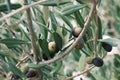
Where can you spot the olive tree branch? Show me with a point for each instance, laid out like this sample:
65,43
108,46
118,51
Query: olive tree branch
96,36
21,9
85,71
86,26
32,34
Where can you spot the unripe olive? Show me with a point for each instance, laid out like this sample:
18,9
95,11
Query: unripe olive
106,46
89,60
24,67
52,46
76,31
98,62
31,73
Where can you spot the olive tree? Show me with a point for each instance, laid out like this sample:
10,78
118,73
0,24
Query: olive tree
51,39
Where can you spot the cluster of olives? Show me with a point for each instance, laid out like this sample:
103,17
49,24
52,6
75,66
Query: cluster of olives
97,61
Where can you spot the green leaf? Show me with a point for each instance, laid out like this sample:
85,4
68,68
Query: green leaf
79,19
42,24
99,28
54,2
15,70
71,9
82,62
53,20
79,1
12,41
111,41
118,10
45,27
44,46
57,67
76,54
7,53
67,21
3,6
58,40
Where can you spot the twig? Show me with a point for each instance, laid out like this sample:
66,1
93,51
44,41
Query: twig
22,60
21,9
86,26
88,69
96,36
32,34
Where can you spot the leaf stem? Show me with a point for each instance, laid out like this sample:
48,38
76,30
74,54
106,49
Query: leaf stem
88,69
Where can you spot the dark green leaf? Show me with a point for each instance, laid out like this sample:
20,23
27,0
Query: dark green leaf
118,10
67,21
53,20
79,19
54,2
3,6
45,27
58,40
57,67
76,54
44,46
15,70
12,41
80,1
99,28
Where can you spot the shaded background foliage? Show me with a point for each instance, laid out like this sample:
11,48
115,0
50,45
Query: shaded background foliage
54,21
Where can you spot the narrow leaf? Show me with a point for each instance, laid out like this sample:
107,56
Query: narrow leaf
99,28
82,62
71,9
57,67
67,21
111,41
44,45
79,19
58,40
12,41
15,70
54,2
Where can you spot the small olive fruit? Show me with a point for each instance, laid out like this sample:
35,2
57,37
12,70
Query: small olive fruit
106,46
89,60
52,46
98,62
76,31
24,67
31,73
